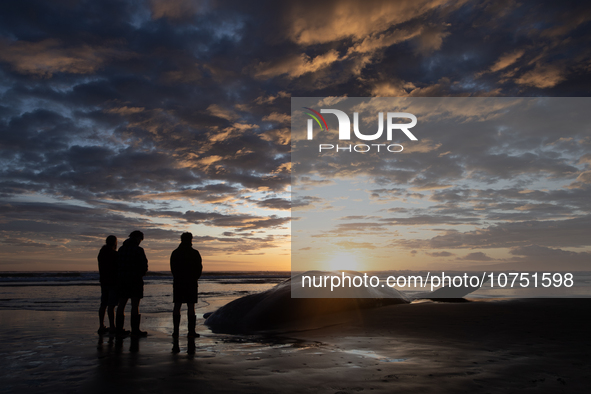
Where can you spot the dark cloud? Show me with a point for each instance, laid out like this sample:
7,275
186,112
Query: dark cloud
275,203
476,256
440,254
542,255
551,233
239,222
418,220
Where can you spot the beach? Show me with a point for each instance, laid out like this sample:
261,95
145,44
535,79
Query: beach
366,196
482,346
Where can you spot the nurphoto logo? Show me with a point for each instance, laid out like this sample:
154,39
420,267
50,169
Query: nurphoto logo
345,130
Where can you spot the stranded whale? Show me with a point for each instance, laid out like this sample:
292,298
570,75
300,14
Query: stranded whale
276,308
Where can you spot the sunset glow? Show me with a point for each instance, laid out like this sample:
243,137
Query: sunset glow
344,262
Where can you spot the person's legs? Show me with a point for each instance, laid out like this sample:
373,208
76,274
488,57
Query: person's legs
177,308
111,313
104,301
192,319
102,327
113,300
136,317
135,306
121,306
176,318
120,321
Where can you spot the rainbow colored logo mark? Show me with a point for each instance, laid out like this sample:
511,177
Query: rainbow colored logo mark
316,119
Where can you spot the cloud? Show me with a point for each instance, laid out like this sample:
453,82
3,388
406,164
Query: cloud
582,180
506,60
242,222
175,9
440,254
224,113
271,98
356,245
552,233
277,117
313,23
431,38
535,257
305,202
543,76
275,203
216,193
420,220
50,56
125,110
476,256
374,42
182,106
295,65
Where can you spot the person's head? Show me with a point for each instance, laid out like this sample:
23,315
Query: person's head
137,235
186,237
111,241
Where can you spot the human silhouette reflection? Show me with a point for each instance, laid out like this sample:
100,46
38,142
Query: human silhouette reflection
134,345
175,345
118,344
190,345
101,340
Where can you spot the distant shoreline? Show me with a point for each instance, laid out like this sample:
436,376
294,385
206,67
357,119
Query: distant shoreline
8,274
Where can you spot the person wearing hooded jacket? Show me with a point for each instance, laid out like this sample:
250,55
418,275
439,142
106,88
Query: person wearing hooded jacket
186,267
133,265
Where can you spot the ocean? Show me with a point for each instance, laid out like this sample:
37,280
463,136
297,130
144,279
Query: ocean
80,291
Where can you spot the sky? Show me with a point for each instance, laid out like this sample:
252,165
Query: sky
478,183
168,116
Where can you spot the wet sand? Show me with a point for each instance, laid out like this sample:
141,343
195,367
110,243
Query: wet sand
480,347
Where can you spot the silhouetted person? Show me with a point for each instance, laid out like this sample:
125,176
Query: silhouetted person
186,267
107,263
133,265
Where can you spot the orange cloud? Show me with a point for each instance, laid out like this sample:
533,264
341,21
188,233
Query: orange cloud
506,60
296,66
323,22
270,99
542,77
431,38
278,136
277,117
221,112
44,58
378,41
125,110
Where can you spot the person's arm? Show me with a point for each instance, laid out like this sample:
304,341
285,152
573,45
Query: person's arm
113,265
172,263
199,265
100,264
99,259
144,260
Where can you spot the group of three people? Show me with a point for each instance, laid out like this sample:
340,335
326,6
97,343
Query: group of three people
121,277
